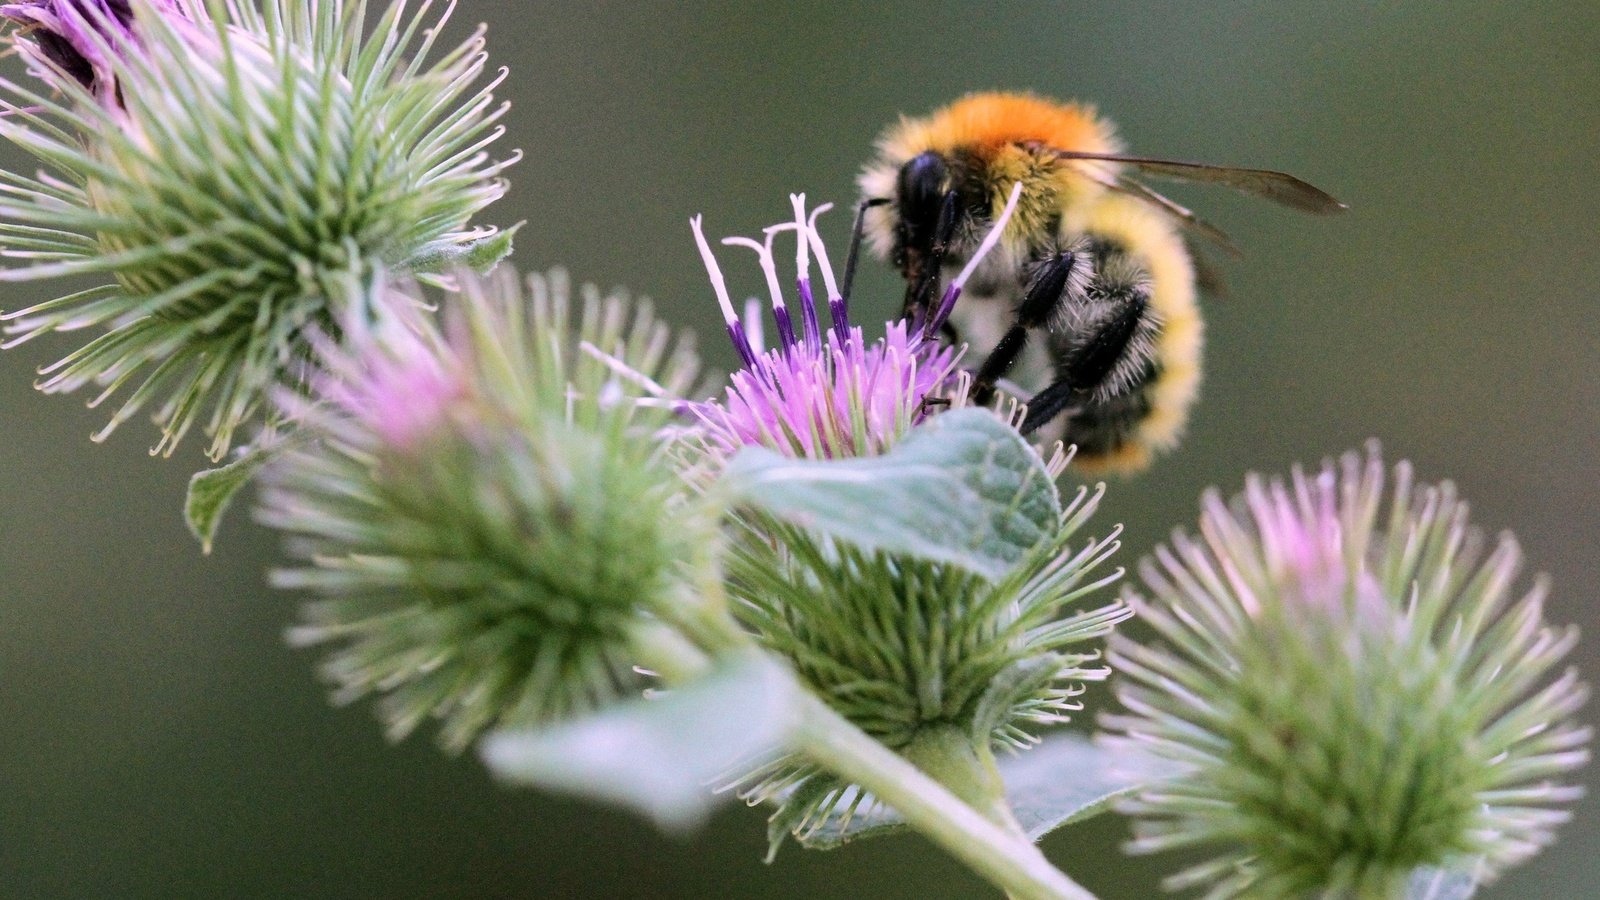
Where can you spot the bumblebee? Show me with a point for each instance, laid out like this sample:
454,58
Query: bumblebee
1102,267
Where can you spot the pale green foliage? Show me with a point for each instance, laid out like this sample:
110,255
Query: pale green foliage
1065,779
961,489
658,755
255,167
211,492
485,510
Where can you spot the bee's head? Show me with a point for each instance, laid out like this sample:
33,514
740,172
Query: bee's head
906,197
939,207
925,208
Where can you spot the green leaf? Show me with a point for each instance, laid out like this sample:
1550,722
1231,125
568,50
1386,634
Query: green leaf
659,756
1065,779
1441,884
962,488
213,490
479,255
1069,778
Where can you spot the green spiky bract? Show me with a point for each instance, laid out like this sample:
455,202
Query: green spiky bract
929,658
254,160
485,511
1353,695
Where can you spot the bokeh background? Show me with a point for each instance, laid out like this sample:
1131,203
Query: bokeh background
158,739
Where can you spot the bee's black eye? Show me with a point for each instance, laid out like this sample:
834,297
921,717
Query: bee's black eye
923,182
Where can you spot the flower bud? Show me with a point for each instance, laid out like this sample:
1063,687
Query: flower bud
484,509
222,180
931,659
1353,693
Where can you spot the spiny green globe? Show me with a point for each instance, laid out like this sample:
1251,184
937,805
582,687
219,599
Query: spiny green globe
1350,764
273,209
518,561
1354,693
240,181
935,660
484,513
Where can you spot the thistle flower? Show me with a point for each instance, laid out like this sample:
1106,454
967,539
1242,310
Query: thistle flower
823,396
225,173
1353,694
921,655
484,508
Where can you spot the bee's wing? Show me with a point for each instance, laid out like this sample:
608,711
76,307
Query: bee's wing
1278,187
1208,275
1196,226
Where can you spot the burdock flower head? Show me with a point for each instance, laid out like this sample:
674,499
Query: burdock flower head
1353,692
961,621
484,509
226,173
823,395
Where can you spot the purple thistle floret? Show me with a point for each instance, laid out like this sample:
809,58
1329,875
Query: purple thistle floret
1302,532
822,396
75,38
391,383
398,378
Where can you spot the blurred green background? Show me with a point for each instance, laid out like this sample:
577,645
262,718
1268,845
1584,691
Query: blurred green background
158,739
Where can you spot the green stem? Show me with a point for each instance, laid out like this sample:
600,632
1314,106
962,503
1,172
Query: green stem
950,757
665,651
1005,858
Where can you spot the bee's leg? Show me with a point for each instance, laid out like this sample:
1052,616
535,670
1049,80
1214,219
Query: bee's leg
922,289
856,233
1059,280
1047,404
1114,353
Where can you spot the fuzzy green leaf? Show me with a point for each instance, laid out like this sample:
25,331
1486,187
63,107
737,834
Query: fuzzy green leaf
1069,778
1441,884
212,491
1065,779
659,756
962,488
479,255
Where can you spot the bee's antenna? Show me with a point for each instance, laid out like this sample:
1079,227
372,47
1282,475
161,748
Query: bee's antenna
854,256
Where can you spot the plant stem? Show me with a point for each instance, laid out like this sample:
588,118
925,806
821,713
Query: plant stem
665,651
967,768
1007,860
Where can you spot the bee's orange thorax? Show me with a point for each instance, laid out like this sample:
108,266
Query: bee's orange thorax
992,120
